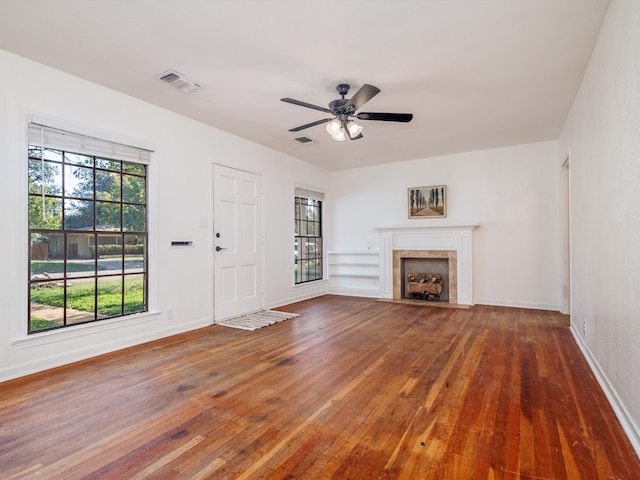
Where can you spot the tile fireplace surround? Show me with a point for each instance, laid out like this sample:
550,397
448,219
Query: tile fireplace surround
453,242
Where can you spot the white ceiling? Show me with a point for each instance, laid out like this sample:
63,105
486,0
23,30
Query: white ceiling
476,74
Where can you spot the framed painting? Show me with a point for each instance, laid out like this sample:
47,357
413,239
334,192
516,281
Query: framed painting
427,202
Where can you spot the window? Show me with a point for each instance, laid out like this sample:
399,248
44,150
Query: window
308,236
88,237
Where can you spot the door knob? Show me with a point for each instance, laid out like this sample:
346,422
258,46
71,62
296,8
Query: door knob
220,248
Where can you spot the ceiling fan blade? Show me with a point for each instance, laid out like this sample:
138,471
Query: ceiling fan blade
362,96
305,104
385,117
312,124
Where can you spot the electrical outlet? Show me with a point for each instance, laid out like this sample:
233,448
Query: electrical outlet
584,326
170,313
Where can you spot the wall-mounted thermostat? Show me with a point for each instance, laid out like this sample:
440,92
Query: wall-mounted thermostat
181,244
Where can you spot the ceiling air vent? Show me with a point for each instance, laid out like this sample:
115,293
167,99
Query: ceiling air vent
179,81
303,140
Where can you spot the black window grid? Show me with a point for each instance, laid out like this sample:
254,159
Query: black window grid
308,240
126,169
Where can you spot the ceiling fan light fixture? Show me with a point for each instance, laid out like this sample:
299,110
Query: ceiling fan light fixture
341,136
337,131
333,127
354,128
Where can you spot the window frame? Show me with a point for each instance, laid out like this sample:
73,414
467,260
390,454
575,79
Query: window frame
140,239
311,238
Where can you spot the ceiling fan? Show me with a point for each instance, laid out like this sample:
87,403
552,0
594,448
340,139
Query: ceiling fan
343,109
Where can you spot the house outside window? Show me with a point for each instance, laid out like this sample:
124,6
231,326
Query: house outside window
308,251
88,234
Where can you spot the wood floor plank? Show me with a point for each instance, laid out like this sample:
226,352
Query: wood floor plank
351,389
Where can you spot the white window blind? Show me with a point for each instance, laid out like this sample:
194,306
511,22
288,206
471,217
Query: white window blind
49,137
306,193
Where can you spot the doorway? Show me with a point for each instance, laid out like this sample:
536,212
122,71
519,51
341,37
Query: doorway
237,229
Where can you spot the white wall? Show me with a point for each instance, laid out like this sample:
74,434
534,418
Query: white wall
602,139
181,195
513,193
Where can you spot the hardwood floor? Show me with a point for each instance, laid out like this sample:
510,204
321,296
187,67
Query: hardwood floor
350,389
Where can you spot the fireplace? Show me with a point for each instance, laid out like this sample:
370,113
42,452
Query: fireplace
451,243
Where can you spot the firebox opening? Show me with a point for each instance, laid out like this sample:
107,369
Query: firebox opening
437,266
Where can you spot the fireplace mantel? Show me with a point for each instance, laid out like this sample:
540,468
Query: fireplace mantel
456,238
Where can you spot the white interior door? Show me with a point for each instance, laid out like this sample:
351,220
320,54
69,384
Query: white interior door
237,223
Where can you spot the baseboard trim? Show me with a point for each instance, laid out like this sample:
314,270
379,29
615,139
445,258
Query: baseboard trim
628,424
90,350
303,291
354,292
515,304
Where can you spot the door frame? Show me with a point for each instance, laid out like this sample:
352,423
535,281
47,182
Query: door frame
212,234
565,212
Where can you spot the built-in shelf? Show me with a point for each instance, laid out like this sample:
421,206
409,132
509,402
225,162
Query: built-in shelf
354,272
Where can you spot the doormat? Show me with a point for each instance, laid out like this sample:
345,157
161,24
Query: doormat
254,321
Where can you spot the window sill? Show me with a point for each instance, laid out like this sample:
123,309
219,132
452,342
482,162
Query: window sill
53,336
322,281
